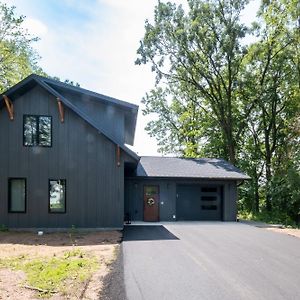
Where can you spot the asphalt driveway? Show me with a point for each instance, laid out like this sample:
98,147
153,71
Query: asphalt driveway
213,261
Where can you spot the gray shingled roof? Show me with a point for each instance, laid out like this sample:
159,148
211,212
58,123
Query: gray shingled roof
208,168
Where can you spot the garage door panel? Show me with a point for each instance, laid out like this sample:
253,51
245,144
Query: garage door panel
196,202
188,208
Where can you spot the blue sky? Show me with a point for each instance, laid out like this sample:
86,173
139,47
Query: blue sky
94,43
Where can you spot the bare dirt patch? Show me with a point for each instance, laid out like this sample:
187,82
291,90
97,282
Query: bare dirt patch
289,231
101,245
10,285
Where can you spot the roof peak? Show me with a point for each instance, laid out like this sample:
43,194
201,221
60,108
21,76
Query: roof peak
81,90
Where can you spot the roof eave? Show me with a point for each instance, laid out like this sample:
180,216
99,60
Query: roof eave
190,177
86,118
112,100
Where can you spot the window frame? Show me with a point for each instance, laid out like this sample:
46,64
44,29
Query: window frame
65,207
37,117
10,179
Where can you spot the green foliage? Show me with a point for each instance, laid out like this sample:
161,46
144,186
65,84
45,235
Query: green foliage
17,57
217,96
50,274
286,193
273,217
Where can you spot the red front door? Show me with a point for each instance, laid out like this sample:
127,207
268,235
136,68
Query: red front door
151,199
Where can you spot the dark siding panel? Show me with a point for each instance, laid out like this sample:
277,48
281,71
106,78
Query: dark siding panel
109,117
134,199
79,154
3,166
230,202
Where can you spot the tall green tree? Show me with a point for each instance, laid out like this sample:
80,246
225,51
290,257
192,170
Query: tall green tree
17,57
271,73
201,52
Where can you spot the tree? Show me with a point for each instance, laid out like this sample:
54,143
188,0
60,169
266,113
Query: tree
271,74
200,51
17,57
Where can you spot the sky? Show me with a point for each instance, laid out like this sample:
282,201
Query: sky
94,43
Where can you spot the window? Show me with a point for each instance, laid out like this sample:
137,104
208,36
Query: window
209,207
208,198
17,195
57,196
151,190
37,131
209,189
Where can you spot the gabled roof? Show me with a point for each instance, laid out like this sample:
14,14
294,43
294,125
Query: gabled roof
175,167
129,110
24,85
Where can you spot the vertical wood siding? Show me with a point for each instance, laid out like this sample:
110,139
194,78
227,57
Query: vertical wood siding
109,117
79,154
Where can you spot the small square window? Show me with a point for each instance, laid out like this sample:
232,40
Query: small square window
17,195
37,131
57,195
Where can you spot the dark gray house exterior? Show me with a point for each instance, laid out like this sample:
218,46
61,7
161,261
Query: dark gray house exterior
64,162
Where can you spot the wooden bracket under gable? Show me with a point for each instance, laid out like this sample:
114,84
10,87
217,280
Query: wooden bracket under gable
118,156
9,107
61,110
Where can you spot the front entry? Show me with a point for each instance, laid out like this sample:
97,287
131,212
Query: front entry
151,199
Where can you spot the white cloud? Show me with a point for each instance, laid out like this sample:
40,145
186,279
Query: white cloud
35,27
100,54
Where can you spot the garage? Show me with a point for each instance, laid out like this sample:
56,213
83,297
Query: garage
198,203
182,189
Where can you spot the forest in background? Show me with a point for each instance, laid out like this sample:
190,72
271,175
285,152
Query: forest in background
227,90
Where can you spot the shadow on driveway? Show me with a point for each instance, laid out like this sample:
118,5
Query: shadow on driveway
147,233
113,282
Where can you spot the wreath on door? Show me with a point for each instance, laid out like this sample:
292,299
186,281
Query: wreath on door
150,201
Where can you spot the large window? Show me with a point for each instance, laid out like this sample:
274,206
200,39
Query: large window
37,131
17,195
57,195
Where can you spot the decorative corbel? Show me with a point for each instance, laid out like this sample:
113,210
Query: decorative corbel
118,156
61,110
9,107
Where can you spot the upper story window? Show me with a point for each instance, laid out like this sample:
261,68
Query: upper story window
37,131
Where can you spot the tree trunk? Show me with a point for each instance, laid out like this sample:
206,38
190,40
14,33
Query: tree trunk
268,179
268,156
256,193
229,143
